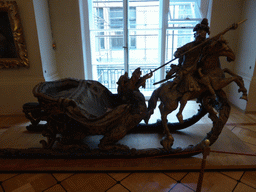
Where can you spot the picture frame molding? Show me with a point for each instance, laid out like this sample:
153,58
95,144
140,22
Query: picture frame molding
21,60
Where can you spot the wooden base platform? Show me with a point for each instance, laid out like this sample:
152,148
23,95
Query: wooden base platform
235,158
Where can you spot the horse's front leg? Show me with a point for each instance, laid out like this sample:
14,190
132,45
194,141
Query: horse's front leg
167,140
239,81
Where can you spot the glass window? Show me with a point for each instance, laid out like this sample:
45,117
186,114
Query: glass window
108,36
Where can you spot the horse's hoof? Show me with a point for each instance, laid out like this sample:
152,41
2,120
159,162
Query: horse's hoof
147,116
244,90
244,97
167,142
146,119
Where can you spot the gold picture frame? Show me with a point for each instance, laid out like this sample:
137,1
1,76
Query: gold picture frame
13,51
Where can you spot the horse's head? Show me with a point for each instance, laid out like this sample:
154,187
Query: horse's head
220,48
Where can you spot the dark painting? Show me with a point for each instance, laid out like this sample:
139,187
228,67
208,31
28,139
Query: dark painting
7,46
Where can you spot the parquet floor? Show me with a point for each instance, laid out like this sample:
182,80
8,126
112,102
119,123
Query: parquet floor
243,125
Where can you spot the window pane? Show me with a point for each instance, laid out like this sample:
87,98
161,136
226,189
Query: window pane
182,17
145,12
116,17
108,75
107,60
183,13
107,42
106,47
101,13
175,39
144,49
143,39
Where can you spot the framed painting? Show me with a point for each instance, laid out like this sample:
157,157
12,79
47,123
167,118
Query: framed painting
13,51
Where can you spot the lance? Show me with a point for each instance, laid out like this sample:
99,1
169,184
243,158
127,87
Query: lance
232,27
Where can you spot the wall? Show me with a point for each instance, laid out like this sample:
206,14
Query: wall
16,84
225,13
246,60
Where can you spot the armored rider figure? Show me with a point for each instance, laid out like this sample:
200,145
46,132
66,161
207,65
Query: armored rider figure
187,68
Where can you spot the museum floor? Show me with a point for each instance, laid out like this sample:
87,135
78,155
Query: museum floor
242,125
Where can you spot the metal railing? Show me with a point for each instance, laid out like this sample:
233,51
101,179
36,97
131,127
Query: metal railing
108,76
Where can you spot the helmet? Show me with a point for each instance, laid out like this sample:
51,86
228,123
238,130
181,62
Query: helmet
203,26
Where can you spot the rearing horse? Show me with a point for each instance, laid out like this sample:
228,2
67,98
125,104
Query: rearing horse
210,77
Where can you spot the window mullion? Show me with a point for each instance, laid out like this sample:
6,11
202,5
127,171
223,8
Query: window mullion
125,32
85,17
163,11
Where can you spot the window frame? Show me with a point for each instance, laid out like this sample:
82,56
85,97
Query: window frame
163,27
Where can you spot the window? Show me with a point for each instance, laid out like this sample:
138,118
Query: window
126,34
100,22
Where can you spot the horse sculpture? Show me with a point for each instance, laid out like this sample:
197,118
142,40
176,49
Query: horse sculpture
211,79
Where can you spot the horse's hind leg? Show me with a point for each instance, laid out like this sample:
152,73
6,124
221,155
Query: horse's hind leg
209,108
165,109
183,103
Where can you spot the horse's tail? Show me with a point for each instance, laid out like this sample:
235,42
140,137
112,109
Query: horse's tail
152,104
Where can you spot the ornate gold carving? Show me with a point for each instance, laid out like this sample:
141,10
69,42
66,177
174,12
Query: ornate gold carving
20,57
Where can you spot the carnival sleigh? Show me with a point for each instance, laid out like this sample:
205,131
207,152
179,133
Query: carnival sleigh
75,109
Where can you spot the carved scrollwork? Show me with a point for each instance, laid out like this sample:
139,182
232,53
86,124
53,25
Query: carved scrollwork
50,133
20,57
